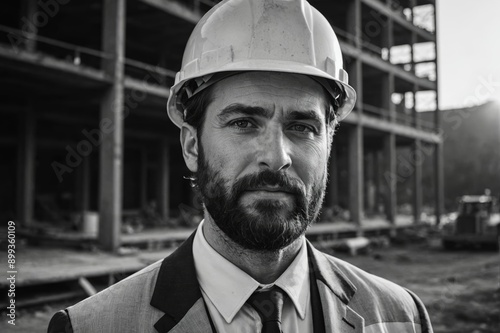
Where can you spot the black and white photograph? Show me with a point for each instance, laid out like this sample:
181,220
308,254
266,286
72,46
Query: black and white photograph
250,166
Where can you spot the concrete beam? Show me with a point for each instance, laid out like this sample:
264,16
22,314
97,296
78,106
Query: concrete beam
386,126
379,63
47,67
385,9
175,8
112,112
150,89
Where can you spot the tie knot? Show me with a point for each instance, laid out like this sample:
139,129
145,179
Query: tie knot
268,305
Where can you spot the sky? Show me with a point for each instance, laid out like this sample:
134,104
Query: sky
468,52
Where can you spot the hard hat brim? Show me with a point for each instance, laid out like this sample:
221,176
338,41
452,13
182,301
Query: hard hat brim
256,65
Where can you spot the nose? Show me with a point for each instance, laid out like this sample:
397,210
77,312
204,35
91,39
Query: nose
274,150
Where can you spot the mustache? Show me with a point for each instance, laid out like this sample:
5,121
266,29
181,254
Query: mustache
269,178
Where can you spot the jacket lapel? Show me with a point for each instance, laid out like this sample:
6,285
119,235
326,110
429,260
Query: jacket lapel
335,291
177,293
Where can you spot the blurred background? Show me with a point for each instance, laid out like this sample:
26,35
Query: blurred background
93,176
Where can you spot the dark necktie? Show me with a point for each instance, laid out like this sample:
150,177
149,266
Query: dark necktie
268,305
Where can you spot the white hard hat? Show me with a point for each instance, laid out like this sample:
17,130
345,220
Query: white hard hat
235,36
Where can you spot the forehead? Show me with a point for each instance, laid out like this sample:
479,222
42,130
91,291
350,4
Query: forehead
270,90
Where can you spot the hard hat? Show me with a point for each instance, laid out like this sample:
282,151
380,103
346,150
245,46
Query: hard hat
238,36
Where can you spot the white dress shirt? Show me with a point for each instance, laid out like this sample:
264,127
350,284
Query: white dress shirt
226,288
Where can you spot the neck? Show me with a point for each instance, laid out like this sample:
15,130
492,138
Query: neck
264,267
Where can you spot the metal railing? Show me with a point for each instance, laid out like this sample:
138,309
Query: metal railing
401,117
83,56
396,7
78,55
140,70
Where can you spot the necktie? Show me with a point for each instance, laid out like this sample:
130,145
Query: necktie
268,305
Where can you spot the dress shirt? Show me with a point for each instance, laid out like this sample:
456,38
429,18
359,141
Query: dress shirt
226,288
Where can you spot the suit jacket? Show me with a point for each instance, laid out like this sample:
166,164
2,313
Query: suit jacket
166,297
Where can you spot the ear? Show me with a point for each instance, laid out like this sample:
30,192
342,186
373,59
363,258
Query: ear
189,143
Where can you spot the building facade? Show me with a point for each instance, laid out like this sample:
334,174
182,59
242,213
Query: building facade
83,89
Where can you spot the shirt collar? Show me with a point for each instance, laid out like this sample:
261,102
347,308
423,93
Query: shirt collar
229,291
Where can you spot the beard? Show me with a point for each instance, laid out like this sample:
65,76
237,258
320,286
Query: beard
266,224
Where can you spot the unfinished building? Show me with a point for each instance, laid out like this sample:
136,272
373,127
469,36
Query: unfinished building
84,85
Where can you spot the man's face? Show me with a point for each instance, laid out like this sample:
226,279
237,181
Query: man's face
262,157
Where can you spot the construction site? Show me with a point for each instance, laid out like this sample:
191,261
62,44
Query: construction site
92,168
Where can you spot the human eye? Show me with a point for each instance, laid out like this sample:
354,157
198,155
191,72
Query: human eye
242,124
302,128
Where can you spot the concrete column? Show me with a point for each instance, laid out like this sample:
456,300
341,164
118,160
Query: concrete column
26,153
164,183
30,30
416,119
438,153
413,41
390,176
83,185
439,179
370,187
144,178
379,180
388,36
417,181
387,82
355,163
112,122
413,3
355,145
354,22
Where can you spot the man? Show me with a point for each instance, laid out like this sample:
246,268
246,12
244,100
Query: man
257,101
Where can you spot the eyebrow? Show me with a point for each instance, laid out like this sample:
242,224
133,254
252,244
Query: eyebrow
241,109
304,115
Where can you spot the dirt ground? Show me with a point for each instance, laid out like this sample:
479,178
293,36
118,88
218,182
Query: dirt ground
461,289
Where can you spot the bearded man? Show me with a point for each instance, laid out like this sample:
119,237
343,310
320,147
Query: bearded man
257,101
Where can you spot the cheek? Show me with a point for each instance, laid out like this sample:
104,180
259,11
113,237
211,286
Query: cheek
226,154
311,163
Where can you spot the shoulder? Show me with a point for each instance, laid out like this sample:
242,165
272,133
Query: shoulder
118,306
60,323
366,283
378,300
130,290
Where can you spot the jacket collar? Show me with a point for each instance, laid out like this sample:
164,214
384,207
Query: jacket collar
335,291
177,293
330,274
